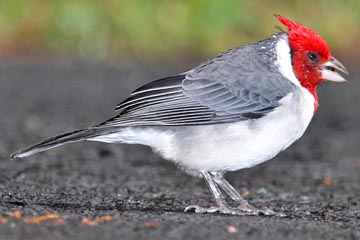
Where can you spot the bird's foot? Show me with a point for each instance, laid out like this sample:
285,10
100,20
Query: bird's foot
220,209
241,210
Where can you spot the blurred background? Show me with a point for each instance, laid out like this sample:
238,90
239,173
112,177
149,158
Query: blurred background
65,64
163,31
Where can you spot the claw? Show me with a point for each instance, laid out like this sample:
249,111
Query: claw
221,209
199,209
240,211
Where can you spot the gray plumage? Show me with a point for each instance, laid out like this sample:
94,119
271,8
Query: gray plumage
242,83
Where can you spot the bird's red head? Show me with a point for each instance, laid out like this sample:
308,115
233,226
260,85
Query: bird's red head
311,57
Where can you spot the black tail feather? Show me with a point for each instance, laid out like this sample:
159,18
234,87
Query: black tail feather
60,140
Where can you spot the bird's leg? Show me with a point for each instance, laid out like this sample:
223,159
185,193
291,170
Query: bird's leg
215,191
215,179
242,204
220,204
229,189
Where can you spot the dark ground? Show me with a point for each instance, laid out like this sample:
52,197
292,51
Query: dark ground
315,182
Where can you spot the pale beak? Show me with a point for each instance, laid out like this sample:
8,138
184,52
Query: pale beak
330,70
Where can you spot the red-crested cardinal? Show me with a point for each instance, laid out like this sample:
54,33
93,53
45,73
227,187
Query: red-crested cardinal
234,111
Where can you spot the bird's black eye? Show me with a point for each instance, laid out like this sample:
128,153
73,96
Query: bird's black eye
313,57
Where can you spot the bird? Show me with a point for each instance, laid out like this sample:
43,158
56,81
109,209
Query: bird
234,111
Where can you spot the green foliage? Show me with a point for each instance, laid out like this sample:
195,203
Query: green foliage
160,28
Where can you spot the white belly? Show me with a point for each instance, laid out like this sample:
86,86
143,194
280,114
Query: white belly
227,147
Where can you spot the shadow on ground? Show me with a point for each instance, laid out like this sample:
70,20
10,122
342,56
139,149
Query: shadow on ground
101,191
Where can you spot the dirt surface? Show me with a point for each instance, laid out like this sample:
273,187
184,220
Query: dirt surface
103,191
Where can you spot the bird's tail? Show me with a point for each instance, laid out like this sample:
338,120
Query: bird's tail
79,135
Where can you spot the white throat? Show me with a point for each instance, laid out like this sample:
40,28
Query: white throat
284,60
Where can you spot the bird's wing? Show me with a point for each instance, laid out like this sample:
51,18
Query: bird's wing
164,102
221,90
